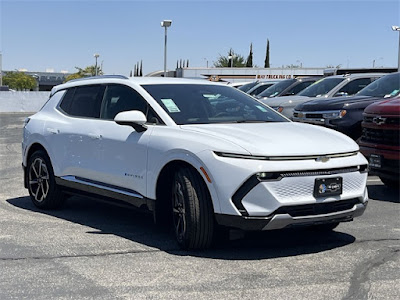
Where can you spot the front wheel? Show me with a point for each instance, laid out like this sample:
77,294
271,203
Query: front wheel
42,187
192,210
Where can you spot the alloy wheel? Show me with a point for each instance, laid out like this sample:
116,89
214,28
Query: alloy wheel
178,211
39,179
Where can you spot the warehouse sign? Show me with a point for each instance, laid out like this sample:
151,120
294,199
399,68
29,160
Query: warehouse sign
273,76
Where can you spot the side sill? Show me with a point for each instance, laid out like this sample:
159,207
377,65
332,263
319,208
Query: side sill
88,188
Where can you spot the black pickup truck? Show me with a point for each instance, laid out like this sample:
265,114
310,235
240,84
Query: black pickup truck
345,114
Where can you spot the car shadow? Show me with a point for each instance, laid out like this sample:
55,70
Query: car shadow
381,192
138,227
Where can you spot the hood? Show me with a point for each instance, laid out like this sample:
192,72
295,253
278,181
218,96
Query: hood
283,101
385,107
333,103
277,138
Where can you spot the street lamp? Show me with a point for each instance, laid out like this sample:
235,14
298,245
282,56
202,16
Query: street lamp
231,58
96,56
165,24
397,28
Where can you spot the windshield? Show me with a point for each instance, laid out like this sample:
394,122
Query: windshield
206,104
246,87
321,87
277,88
386,86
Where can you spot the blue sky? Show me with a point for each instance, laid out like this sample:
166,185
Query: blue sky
37,35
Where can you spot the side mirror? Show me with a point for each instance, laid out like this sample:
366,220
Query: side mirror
133,118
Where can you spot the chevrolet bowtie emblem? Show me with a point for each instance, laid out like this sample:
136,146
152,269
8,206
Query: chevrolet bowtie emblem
379,120
322,159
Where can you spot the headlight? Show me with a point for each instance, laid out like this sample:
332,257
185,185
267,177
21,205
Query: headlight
334,114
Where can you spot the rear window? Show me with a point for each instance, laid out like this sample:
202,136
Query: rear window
83,101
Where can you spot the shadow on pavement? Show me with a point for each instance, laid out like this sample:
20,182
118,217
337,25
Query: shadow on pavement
381,192
138,227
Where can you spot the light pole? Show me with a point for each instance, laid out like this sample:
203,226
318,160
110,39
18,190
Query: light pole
231,57
206,61
165,24
96,56
397,28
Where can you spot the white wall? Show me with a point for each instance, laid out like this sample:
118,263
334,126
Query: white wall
22,101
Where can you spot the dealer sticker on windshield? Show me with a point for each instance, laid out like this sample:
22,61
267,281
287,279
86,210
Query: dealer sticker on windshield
170,105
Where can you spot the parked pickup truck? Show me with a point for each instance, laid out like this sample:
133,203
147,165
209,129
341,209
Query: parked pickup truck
380,140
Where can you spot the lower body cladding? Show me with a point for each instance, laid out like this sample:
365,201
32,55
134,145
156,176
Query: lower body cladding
290,199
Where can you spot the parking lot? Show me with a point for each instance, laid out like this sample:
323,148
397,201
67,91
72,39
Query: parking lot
91,249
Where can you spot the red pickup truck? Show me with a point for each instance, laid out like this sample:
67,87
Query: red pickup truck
380,140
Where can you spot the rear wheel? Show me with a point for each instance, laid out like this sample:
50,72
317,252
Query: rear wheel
192,212
42,187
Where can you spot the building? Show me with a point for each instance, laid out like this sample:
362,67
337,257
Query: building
45,80
247,74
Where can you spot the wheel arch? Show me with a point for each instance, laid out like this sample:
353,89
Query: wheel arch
165,177
32,149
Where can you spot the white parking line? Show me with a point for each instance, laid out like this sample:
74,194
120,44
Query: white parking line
373,180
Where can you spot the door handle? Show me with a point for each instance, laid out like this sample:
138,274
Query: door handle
95,136
53,130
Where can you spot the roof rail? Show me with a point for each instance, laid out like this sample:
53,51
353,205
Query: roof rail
99,77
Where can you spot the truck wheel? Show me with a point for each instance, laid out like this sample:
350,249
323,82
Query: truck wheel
42,187
392,183
192,211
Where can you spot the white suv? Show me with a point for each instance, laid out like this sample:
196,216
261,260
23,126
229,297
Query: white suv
197,153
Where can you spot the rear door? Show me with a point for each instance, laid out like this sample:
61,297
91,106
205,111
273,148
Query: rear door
75,135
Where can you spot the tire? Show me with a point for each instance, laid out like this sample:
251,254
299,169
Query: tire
391,183
42,186
192,211
325,227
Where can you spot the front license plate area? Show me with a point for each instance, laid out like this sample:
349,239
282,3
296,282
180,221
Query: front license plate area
325,187
375,161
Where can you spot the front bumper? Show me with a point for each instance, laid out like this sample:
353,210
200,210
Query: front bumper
286,220
390,161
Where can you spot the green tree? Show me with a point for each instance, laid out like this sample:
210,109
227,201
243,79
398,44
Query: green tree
266,62
249,62
86,72
19,81
226,61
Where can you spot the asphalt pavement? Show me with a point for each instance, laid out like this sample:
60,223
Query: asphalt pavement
92,250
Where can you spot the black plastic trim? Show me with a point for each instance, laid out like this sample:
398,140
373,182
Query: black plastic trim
241,222
244,189
91,191
316,208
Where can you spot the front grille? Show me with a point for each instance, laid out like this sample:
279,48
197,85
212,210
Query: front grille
317,209
388,121
314,116
323,172
381,136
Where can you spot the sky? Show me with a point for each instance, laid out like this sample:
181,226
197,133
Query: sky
62,35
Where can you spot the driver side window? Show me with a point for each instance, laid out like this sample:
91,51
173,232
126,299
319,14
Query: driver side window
119,98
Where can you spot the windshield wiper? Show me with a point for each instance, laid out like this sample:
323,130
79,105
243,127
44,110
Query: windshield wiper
253,121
